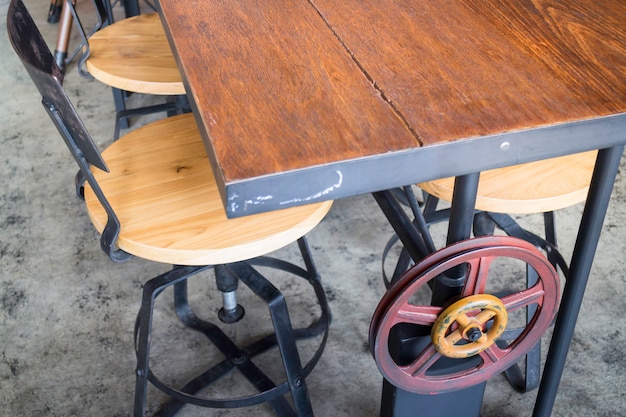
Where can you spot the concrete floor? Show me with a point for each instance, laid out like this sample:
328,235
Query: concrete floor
67,312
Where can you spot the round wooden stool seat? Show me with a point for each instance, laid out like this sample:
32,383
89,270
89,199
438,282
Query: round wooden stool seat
162,188
534,187
134,55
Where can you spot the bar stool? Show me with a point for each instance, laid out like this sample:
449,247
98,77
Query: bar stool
132,56
152,194
537,187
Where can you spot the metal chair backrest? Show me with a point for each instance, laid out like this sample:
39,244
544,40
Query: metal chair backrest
40,65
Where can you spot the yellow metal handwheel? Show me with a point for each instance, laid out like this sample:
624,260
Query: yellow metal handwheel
469,326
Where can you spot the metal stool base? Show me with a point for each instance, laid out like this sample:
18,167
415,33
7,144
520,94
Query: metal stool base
239,358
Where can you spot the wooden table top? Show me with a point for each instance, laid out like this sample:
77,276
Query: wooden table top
302,100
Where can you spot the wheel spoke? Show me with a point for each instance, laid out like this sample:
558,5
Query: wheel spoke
423,315
532,295
423,362
454,337
484,316
477,274
462,320
492,354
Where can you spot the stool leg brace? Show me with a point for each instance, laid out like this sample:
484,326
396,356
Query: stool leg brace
284,337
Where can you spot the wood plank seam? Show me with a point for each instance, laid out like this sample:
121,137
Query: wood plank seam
367,75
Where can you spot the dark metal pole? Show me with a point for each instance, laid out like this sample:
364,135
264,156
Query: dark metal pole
600,190
402,225
462,210
460,228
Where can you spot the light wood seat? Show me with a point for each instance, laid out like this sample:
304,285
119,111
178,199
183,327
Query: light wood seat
535,187
134,55
168,204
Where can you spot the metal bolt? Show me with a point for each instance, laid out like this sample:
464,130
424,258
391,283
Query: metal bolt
238,358
474,334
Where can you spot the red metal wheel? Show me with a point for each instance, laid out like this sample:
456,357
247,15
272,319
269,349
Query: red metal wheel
420,375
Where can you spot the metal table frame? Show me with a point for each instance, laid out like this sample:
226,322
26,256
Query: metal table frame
344,49
400,402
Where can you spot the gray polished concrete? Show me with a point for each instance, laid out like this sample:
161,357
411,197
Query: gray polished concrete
67,312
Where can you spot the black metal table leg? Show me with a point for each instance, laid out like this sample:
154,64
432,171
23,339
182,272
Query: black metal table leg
397,402
459,228
600,190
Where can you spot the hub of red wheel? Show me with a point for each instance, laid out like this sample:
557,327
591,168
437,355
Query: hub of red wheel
460,331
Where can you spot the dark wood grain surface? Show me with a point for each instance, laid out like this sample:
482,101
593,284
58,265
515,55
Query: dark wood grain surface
458,69
274,87
280,87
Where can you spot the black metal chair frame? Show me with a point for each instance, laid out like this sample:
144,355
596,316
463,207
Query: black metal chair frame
426,214
104,17
47,76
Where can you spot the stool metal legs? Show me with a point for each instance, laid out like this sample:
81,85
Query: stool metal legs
239,358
